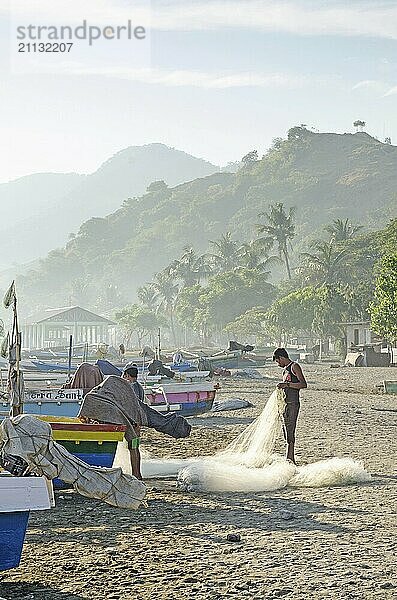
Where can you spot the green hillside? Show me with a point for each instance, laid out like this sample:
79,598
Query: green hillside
38,212
325,176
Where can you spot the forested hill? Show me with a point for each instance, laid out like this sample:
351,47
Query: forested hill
38,212
325,176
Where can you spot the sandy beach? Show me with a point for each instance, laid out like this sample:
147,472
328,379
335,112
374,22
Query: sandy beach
296,543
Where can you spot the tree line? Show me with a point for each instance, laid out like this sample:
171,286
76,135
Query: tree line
262,289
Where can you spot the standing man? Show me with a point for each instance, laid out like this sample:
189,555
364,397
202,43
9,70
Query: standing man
130,373
177,357
293,381
122,352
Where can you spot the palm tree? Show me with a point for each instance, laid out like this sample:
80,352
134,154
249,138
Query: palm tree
78,289
190,268
147,296
112,295
253,255
325,265
224,256
341,231
166,293
279,229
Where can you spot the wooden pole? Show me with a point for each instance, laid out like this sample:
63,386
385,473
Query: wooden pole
159,344
16,409
85,352
70,355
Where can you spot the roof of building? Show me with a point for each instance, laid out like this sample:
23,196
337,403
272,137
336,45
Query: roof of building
68,314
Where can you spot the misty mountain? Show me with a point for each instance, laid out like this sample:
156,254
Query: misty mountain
38,212
325,176
27,196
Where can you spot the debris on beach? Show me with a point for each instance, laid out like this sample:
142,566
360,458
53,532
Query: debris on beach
230,404
233,537
247,374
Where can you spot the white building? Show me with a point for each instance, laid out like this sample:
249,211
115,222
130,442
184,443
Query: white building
358,333
53,328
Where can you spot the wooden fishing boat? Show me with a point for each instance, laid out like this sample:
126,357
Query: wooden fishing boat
182,367
185,398
94,444
47,367
188,399
18,496
52,401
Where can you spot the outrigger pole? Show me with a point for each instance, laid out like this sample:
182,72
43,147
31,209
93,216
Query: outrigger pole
70,354
15,376
159,344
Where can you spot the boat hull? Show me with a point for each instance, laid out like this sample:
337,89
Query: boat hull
96,445
18,496
187,399
187,409
47,367
72,408
13,527
390,387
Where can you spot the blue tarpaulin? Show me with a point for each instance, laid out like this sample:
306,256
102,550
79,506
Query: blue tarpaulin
107,368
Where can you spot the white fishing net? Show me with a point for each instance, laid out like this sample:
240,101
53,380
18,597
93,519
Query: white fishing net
255,444
249,463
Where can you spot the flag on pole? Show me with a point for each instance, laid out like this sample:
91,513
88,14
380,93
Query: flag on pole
9,296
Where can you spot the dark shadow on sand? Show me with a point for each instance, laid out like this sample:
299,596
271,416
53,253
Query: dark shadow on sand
219,420
34,591
377,477
261,511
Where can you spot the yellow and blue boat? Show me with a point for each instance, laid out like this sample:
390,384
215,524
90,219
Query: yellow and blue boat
95,444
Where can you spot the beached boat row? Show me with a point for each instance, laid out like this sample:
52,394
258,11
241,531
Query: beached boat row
96,444
188,399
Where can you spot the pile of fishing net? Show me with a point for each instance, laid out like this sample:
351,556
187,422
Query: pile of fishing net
250,464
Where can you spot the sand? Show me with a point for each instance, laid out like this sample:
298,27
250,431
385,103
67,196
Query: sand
296,543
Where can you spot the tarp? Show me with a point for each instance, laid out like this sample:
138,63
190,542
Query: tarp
31,439
107,368
86,377
114,401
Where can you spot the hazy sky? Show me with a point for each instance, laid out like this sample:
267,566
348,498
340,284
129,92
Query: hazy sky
224,77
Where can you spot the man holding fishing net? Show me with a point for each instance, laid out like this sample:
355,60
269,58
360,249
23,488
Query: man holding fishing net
293,381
